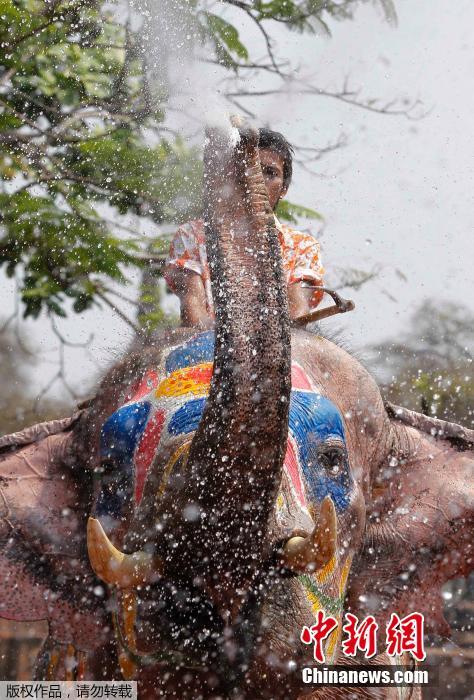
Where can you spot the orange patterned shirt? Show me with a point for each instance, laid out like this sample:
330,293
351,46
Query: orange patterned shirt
300,254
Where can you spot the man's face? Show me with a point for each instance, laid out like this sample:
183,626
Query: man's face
272,168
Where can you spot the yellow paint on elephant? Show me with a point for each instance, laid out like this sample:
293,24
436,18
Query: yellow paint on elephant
182,450
129,613
127,666
323,574
314,600
344,574
331,644
70,662
188,380
129,610
53,664
81,665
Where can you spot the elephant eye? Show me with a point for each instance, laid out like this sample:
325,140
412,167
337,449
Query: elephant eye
332,458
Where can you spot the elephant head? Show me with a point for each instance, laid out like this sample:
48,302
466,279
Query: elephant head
228,475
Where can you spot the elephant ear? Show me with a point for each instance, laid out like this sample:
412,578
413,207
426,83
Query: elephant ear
35,433
420,520
44,504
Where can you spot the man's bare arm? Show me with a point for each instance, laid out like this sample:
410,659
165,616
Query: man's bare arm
190,289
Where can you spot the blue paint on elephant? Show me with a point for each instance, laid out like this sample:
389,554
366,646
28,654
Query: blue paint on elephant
119,438
313,420
115,496
187,418
200,348
120,433
313,413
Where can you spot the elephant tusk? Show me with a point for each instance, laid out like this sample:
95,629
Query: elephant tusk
313,552
113,566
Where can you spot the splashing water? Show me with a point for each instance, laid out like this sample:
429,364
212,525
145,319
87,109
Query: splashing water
180,68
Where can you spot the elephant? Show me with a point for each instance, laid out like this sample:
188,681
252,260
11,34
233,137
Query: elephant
224,486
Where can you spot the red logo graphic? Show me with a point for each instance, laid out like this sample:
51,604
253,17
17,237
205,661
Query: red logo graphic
402,635
361,636
317,633
406,634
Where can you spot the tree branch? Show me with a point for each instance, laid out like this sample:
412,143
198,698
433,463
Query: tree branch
116,310
264,33
345,96
7,75
63,340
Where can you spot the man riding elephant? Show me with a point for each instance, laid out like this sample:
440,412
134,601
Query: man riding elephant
187,269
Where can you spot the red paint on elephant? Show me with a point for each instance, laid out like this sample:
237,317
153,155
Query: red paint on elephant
148,382
202,373
299,381
146,451
299,378
293,470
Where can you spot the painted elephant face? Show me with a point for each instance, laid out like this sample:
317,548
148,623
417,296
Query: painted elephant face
144,446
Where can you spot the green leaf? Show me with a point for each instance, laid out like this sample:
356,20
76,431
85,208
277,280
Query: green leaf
56,308
291,212
83,303
226,34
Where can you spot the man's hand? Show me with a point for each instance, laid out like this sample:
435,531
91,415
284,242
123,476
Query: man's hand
300,298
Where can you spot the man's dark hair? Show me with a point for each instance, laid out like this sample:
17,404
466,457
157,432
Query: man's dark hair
274,141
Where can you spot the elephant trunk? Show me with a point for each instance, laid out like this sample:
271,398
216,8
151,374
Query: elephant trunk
236,456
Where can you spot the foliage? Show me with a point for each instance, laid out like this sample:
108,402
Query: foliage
81,132
310,15
78,129
432,363
224,38
292,212
304,16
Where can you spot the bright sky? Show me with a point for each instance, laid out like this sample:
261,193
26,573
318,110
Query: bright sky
400,195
